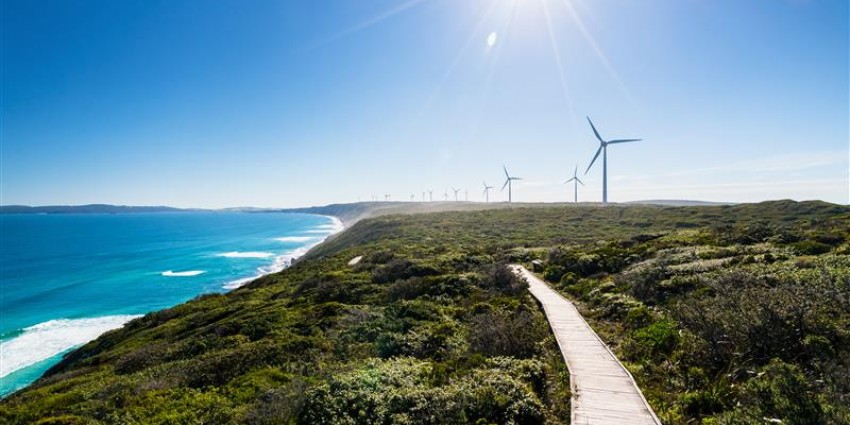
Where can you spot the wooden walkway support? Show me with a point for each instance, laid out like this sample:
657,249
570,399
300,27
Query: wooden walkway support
604,392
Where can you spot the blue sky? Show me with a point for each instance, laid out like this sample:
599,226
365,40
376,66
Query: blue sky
275,103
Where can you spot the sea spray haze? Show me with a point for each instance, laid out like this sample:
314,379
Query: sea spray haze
65,279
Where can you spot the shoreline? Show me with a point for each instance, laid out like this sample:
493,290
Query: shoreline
285,261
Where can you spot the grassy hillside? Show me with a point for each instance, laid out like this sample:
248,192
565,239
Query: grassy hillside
725,314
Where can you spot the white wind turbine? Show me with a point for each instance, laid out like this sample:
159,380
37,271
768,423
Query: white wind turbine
508,182
603,148
576,182
487,192
456,190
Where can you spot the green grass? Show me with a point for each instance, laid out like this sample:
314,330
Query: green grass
725,314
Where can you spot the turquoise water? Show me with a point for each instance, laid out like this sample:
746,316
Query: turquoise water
64,279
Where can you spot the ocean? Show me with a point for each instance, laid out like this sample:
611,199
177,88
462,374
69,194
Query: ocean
67,278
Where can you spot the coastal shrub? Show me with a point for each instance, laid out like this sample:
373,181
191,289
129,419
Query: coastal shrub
501,333
279,405
408,289
396,391
658,338
142,358
553,273
782,394
63,420
568,279
639,317
428,342
378,257
810,247
500,278
400,269
705,403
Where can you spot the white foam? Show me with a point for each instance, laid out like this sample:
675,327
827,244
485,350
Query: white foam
250,254
283,261
295,238
183,274
45,340
335,226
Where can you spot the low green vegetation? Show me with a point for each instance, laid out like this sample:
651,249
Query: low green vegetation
727,314
740,324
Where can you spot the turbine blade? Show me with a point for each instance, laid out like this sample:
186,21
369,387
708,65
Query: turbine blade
506,184
516,178
579,181
624,141
506,171
575,173
598,151
594,130
570,180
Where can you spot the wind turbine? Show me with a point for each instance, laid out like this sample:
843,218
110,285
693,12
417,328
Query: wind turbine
508,182
487,191
603,147
575,181
446,195
412,197
430,196
456,191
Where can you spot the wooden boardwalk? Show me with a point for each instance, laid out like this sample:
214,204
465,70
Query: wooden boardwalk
604,392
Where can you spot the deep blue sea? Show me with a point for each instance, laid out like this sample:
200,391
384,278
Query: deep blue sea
67,278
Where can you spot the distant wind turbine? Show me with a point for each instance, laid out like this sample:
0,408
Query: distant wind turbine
508,182
446,195
456,190
487,192
603,148
576,182
412,197
430,196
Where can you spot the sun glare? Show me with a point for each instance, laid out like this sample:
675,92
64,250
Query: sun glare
492,39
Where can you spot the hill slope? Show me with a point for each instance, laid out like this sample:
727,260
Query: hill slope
431,328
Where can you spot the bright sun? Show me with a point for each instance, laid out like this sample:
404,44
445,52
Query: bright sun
492,39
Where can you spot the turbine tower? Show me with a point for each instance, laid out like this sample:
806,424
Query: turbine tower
446,195
456,190
430,196
576,182
508,183
603,148
487,192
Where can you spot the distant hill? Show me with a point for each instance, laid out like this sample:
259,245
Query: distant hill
678,203
85,209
